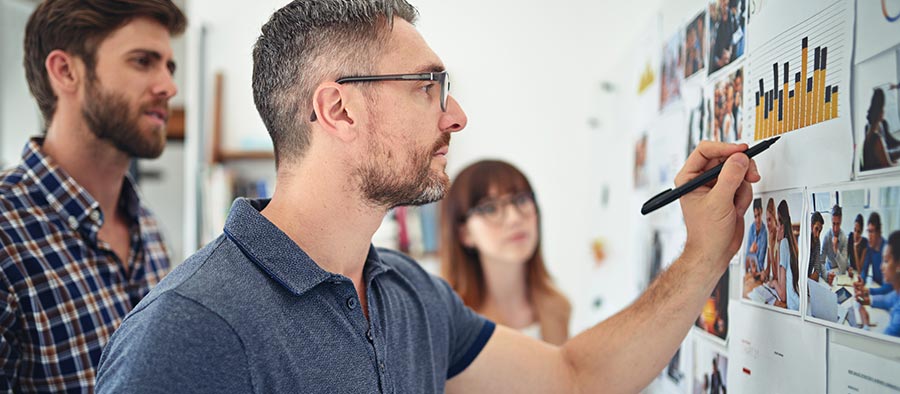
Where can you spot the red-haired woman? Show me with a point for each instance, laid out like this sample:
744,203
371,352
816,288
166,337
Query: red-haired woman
491,254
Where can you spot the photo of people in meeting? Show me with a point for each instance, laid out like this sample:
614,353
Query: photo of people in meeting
695,45
714,317
710,370
699,118
728,117
672,68
877,110
727,32
771,263
640,162
854,260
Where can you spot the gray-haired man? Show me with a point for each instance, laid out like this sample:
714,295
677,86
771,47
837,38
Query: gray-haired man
293,297
835,245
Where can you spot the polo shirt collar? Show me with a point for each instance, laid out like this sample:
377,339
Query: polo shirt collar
278,255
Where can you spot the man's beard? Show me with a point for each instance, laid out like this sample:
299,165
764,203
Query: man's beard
414,184
110,118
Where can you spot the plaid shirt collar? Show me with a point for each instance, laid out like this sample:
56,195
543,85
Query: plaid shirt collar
71,201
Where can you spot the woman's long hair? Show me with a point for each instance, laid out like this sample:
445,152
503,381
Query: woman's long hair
461,266
784,216
876,109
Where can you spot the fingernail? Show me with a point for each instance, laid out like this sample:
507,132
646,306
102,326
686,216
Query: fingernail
741,159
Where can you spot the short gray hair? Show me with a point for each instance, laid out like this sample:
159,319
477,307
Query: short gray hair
305,42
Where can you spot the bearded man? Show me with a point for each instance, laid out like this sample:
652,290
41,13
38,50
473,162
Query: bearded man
79,249
293,297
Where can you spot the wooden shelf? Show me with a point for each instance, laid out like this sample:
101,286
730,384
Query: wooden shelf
175,124
224,155
219,154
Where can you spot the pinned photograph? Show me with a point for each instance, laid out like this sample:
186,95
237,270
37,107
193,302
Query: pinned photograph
853,273
710,369
695,45
726,32
771,265
876,91
672,71
727,120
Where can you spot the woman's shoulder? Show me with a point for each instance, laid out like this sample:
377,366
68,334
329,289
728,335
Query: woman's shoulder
554,301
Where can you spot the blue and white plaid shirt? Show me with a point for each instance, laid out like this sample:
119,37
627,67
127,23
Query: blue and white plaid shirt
63,291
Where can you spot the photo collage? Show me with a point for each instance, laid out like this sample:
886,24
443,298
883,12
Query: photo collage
821,247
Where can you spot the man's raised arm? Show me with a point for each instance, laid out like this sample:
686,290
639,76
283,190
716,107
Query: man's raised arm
625,352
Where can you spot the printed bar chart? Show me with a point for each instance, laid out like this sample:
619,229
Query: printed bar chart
798,74
816,103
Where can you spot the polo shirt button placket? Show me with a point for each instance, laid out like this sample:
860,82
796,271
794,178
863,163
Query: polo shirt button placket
351,303
369,335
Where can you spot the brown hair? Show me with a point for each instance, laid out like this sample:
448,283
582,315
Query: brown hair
784,215
461,266
78,27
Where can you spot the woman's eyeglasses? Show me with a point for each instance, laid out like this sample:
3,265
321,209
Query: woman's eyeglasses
494,210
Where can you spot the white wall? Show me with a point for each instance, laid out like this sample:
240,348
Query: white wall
231,33
528,75
19,115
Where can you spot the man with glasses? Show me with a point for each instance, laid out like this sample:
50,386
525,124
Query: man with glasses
293,297
874,257
835,246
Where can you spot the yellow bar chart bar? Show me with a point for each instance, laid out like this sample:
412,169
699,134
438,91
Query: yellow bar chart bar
756,126
797,101
789,112
820,117
834,102
804,97
808,108
818,98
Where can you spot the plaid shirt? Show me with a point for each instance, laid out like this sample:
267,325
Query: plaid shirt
63,291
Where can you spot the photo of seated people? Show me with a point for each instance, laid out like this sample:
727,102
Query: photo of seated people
880,147
876,110
728,115
772,260
710,371
714,317
726,32
852,273
672,71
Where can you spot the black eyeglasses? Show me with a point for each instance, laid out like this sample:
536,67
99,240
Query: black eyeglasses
494,210
441,78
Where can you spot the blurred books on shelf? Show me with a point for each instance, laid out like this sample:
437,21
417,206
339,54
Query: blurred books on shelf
412,230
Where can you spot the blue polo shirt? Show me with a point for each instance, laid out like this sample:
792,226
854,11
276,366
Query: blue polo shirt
251,312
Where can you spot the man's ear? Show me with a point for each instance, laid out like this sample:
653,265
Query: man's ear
333,112
63,71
